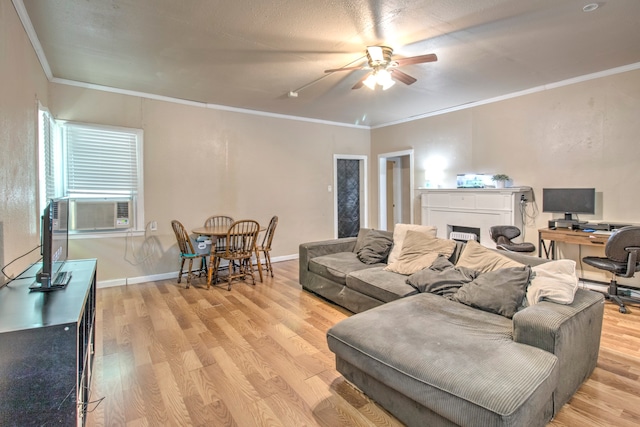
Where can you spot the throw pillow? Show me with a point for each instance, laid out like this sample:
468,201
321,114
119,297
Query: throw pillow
419,251
442,278
476,257
500,291
554,281
362,234
399,233
441,263
375,247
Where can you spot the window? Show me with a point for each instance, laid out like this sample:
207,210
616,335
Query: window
99,168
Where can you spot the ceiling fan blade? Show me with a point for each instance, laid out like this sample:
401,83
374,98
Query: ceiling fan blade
403,77
361,82
431,57
333,70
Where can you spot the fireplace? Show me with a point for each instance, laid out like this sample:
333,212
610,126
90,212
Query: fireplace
459,213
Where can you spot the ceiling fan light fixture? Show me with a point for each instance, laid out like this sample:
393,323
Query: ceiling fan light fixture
383,78
380,77
370,81
381,66
388,84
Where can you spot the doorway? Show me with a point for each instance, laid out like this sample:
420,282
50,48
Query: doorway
350,195
395,189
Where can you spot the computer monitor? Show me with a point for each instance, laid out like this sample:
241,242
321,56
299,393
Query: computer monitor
569,201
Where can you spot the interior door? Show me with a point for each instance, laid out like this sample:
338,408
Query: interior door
348,196
391,194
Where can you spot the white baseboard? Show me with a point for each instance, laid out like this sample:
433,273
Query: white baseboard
165,276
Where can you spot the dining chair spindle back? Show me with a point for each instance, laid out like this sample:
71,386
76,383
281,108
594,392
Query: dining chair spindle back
219,221
265,246
240,248
187,252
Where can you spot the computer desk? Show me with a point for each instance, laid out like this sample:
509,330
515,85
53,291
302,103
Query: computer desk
566,235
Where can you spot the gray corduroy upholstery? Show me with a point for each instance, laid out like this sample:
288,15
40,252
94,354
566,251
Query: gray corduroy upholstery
336,266
571,332
380,284
460,362
432,361
322,282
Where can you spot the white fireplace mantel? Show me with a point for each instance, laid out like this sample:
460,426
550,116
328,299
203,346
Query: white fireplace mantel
477,208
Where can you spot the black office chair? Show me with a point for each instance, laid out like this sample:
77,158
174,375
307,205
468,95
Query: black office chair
622,258
502,235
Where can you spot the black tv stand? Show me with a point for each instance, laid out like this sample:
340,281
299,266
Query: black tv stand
46,351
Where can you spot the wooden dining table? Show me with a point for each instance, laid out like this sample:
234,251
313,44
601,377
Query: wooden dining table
221,231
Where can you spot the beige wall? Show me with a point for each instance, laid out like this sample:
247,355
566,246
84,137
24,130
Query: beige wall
199,162
202,161
582,135
22,84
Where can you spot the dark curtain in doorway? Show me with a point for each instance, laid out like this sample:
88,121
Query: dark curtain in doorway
348,197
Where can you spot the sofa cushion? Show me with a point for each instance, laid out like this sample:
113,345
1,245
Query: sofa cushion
459,362
419,251
380,284
476,257
500,292
336,266
399,233
375,247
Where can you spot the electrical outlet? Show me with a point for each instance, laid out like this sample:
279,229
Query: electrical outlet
153,226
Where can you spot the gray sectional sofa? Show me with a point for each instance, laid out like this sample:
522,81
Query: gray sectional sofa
434,361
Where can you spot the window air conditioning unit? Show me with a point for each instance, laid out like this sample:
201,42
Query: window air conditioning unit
100,214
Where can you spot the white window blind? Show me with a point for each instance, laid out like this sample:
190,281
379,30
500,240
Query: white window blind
101,161
50,159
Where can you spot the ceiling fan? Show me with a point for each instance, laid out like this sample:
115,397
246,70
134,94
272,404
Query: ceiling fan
383,69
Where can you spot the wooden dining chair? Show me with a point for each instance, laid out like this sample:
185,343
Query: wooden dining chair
240,248
219,221
187,252
265,246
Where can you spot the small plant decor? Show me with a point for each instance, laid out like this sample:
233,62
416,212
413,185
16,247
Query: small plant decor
500,179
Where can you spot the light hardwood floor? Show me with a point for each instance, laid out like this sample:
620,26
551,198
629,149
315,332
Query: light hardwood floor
257,356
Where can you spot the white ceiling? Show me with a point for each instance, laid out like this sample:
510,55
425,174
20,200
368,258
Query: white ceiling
249,54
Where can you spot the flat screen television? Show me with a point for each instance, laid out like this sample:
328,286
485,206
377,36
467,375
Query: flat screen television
54,236
569,201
